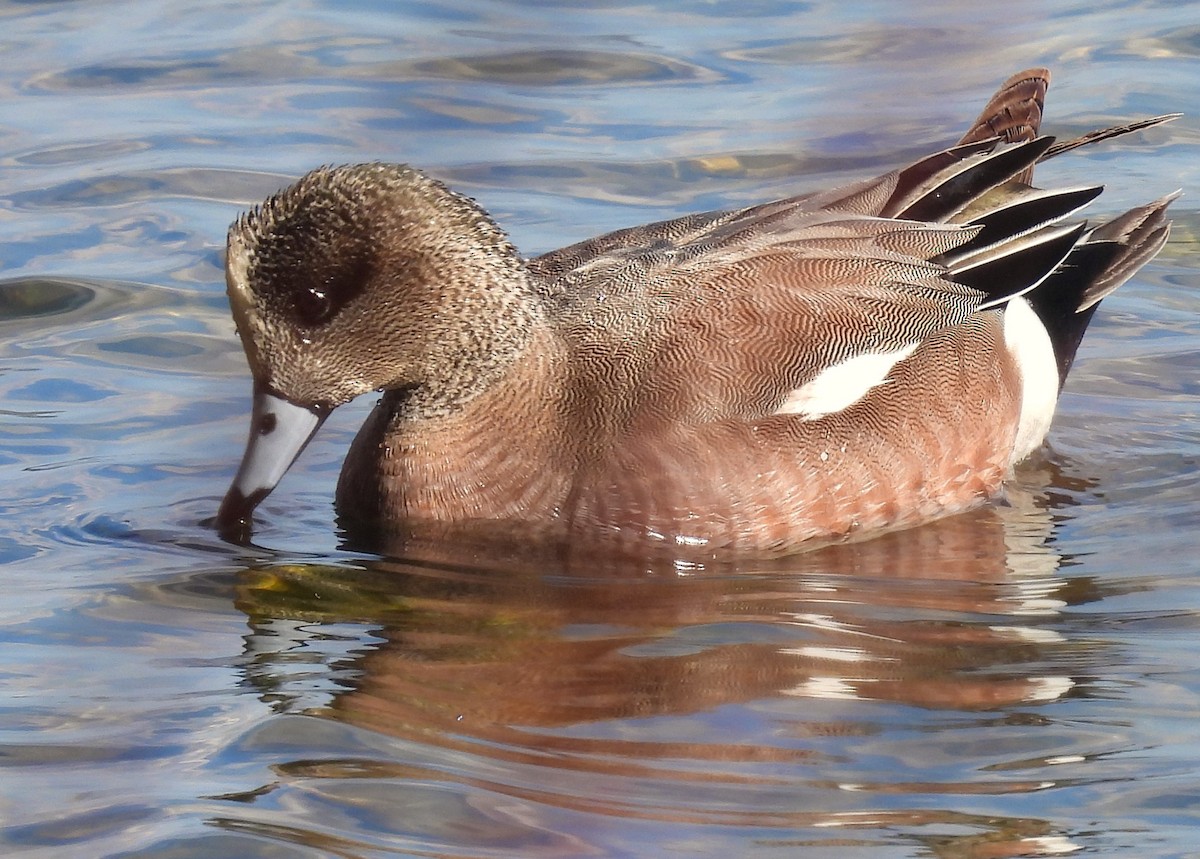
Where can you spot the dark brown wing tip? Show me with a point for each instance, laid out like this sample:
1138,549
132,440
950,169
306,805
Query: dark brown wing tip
1014,113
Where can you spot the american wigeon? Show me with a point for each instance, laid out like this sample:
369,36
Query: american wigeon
733,381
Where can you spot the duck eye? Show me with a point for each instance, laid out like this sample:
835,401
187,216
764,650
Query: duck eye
314,305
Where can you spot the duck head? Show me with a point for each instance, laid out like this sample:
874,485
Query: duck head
363,278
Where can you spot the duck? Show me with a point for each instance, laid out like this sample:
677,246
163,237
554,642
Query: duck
747,381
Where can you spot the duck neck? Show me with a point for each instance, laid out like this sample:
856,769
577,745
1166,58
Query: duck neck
474,345
500,454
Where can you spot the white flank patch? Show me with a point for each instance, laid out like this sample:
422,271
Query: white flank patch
1029,344
842,385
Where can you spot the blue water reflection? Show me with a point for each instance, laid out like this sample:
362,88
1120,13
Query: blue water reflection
1015,681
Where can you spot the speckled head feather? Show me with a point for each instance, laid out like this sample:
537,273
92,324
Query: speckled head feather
363,254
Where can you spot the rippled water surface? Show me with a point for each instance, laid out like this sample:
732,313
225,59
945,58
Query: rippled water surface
1018,681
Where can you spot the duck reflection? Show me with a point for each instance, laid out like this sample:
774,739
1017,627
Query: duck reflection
941,616
695,675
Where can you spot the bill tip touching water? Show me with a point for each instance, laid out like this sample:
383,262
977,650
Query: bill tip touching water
738,381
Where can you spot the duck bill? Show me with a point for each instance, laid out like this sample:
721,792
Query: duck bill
279,431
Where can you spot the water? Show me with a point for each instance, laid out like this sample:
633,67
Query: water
1015,681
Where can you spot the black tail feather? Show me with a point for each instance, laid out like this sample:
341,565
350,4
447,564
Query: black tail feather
950,189
1020,213
1056,301
1105,258
1019,265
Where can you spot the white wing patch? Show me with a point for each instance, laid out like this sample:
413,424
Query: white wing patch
842,385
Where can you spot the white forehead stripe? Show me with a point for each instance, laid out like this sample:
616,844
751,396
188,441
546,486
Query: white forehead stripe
842,385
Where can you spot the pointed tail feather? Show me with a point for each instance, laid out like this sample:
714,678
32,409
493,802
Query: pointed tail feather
1104,259
1108,133
1140,234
